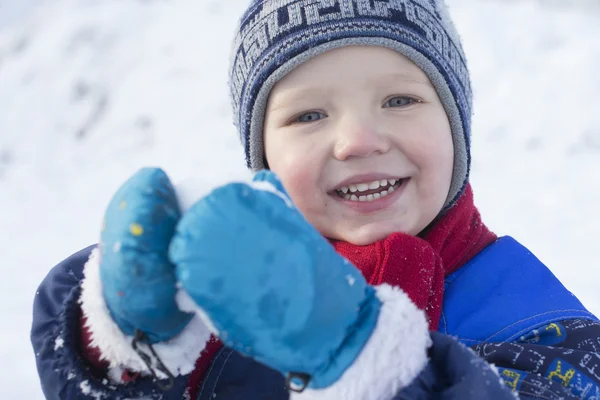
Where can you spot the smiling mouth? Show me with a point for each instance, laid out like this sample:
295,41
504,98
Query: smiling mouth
370,191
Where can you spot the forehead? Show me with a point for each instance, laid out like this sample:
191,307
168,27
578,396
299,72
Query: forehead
355,65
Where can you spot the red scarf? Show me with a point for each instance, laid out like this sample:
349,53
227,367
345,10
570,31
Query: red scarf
419,265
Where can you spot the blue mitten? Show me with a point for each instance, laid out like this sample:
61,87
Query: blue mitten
273,287
138,280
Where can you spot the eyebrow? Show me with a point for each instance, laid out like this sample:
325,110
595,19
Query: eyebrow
410,79
294,94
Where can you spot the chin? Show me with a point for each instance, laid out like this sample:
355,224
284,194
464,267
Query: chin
367,234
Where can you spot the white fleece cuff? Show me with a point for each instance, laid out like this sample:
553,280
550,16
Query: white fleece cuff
392,358
179,354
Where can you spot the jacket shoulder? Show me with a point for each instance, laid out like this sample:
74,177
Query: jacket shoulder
58,291
503,293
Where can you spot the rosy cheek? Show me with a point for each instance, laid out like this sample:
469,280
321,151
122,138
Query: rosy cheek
301,184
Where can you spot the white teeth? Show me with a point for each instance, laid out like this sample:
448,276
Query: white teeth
362,187
367,198
352,192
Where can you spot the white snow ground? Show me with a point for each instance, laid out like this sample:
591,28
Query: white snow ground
92,90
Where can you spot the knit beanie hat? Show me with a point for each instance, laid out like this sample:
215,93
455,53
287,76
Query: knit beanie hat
276,36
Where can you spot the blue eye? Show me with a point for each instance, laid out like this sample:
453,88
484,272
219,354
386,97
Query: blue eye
311,116
400,101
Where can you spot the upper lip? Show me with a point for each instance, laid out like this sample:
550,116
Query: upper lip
365,178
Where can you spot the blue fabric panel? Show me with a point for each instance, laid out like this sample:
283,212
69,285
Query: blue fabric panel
503,293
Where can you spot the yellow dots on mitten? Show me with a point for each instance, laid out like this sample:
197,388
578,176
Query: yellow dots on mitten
122,205
136,229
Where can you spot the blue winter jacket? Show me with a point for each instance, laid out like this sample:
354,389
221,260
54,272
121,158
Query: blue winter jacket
505,304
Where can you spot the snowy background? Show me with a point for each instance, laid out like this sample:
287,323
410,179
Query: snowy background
92,90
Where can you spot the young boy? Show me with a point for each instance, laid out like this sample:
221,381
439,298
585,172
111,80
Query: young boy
362,108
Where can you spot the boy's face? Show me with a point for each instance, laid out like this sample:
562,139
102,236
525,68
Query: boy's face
361,142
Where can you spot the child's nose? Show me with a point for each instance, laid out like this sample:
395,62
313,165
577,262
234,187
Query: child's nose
360,139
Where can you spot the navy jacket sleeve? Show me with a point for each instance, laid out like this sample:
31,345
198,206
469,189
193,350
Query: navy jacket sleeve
55,333
560,360
455,372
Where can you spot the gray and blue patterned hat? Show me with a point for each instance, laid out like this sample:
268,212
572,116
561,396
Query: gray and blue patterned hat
276,36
